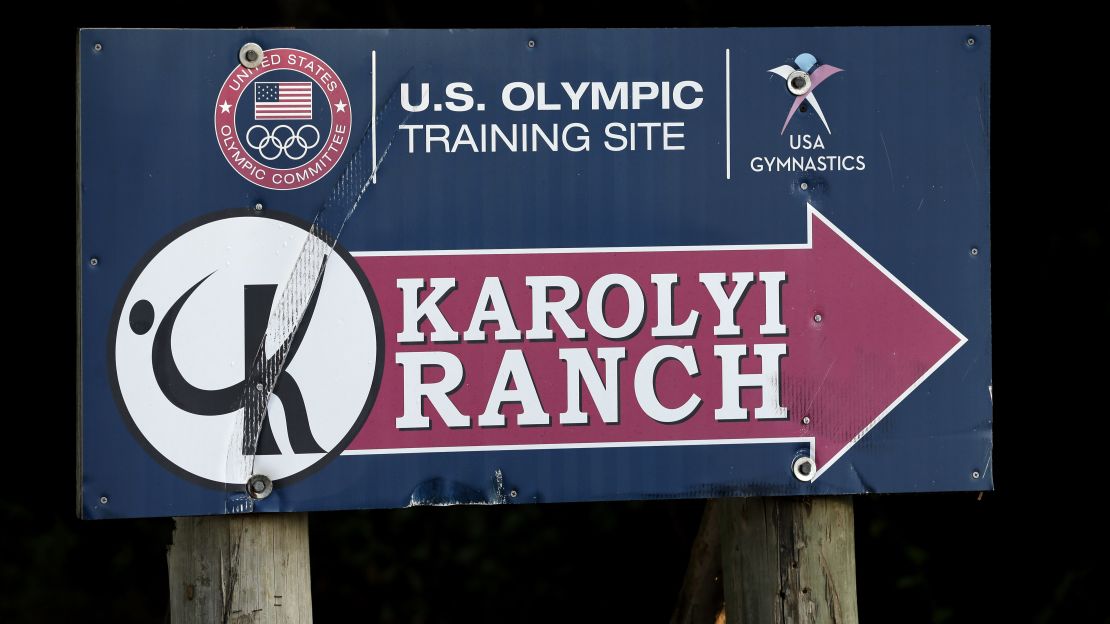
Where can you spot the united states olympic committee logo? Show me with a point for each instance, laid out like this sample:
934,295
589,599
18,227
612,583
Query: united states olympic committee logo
284,124
192,321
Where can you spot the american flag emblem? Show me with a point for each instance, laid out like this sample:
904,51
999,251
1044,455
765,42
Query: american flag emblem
282,100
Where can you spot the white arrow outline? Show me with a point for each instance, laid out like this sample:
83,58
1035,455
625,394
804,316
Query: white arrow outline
811,213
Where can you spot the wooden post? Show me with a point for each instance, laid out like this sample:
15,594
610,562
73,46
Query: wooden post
700,600
240,569
789,560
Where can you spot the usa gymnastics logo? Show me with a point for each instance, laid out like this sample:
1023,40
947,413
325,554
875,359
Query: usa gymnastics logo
284,124
801,80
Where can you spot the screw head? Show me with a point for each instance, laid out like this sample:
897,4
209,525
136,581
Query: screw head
817,317
531,43
975,251
258,207
97,47
250,55
103,500
970,41
258,387
804,186
803,468
259,486
798,82
805,420
975,474
513,493
93,261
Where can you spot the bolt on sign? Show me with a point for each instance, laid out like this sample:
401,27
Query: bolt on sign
373,269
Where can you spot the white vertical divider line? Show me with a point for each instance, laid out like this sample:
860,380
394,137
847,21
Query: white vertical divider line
728,114
374,113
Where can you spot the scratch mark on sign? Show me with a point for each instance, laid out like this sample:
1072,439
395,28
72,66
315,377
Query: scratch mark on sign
820,386
982,125
969,367
298,294
889,166
860,484
971,161
284,326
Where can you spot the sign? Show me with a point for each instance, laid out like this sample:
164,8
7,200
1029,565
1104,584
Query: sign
364,269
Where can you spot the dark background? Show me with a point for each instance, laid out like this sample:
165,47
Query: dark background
1031,551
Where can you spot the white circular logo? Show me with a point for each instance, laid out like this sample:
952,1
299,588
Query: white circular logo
187,331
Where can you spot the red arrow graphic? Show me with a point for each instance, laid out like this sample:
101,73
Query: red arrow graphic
856,340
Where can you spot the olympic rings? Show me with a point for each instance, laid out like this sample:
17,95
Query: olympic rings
273,144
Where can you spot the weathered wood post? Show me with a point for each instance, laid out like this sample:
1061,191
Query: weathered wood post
240,569
789,560
699,601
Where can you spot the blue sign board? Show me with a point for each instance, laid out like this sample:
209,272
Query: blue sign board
377,269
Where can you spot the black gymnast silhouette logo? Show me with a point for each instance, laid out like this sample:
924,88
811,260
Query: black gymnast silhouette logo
210,371
258,299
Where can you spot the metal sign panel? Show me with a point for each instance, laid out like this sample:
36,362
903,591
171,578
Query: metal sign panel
359,269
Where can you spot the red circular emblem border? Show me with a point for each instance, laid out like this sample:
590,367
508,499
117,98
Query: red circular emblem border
229,143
